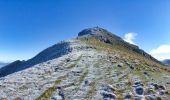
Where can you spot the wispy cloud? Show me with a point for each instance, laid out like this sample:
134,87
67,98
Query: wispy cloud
130,37
162,52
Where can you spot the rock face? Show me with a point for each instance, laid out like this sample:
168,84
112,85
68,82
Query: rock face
94,66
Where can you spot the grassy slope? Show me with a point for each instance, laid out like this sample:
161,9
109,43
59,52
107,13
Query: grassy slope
140,63
125,54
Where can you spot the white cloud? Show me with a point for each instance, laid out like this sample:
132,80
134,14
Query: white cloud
130,37
161,49
162,52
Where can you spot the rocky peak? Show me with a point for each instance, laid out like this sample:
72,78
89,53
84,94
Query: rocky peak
100,34
110,38
91,31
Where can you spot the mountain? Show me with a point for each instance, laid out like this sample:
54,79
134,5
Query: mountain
97,65
167,61
52,52
3,64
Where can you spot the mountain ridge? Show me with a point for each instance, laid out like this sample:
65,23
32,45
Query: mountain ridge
41,57
93,68
3,64
97,32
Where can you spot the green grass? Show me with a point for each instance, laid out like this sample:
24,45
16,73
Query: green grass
91,91
47,93
17,98
82,77
75,63
79,58
130,56
140,74
119,95
109,70
123,68
156,75
71,66
97,65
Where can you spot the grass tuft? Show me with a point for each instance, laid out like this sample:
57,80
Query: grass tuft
91,91
82,77
47,93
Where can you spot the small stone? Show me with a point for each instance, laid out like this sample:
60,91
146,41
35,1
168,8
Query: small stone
119,65
68,60
161,87
86,82
149,91
58,87
137,84
145,73
131,67
155,86
150,97
108,88
108,96
158,98
138,98
60,92
56,69
127,96
161,92
167,92
139,90
48,62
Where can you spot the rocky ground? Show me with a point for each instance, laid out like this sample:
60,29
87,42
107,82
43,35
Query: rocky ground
87,74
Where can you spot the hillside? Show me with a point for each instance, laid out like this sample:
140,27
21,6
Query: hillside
52,52
97,65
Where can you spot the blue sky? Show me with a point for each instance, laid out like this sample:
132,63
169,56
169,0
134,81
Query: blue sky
29,26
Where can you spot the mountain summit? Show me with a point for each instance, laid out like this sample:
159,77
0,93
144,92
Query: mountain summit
97,65
107,37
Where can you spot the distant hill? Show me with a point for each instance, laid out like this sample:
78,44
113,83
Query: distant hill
167,61
2,64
